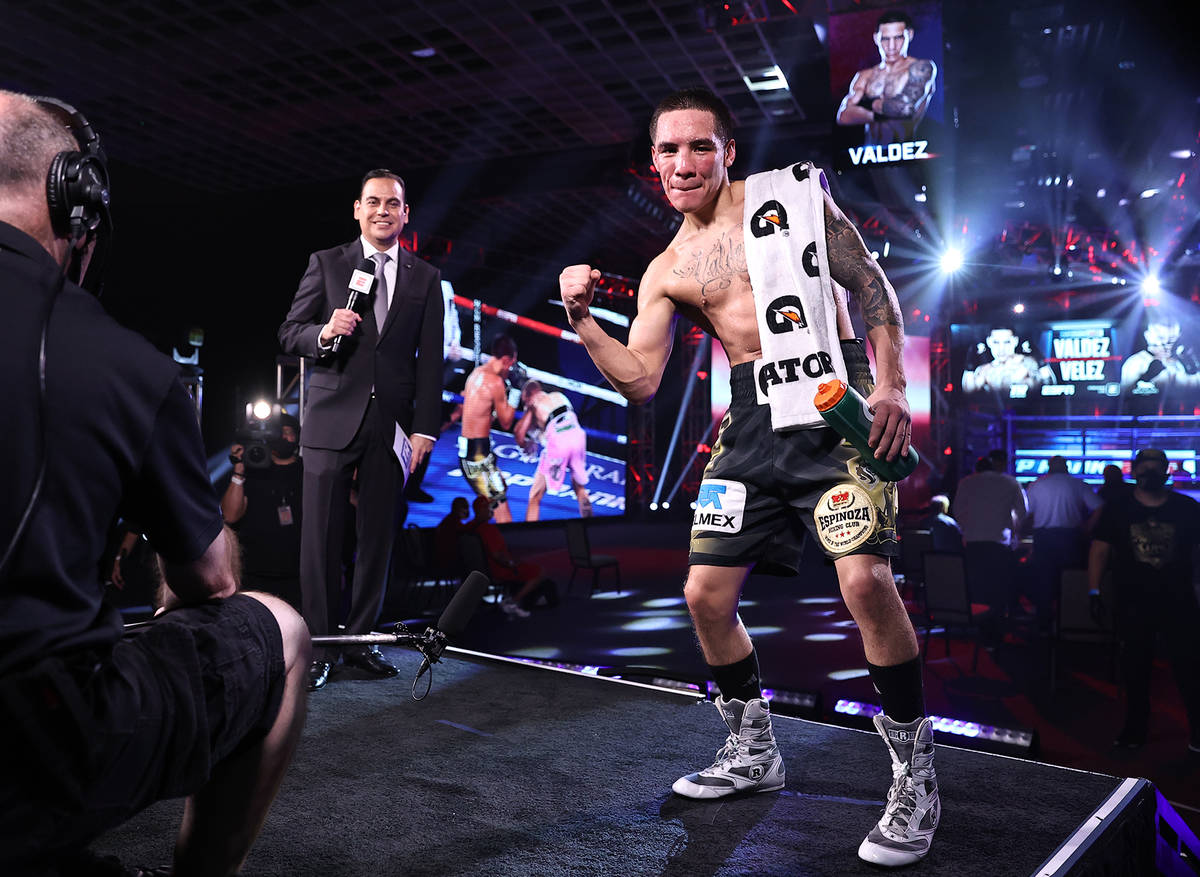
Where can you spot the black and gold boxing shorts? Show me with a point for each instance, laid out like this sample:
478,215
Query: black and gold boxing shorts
762,489
478,465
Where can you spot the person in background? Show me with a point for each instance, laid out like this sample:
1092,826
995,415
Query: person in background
548,413
445,535
1148,538
990,506
1061,508
485,398
944,531
373,375
526,581
263,506
1115,486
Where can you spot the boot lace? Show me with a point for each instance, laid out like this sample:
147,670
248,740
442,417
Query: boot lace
902,797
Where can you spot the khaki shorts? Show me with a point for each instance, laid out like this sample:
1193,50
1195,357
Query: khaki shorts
763,489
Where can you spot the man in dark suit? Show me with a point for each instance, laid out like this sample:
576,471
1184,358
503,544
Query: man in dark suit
377,380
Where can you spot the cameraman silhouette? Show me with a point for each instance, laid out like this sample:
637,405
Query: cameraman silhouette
262,504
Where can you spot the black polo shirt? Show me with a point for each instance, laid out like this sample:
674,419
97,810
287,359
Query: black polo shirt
120,437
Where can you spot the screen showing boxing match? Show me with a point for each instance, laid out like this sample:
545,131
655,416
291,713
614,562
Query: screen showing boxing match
885,71
562,456
1146,363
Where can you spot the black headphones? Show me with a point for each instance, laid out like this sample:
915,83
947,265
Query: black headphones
77,188
77,195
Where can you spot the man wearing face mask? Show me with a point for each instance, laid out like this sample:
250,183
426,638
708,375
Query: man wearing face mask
1149,535
263,506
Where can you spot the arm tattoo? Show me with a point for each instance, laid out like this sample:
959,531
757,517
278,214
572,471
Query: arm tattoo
852,267
715,269
878,305
903,105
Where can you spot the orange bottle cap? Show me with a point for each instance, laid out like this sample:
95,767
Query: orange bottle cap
829,394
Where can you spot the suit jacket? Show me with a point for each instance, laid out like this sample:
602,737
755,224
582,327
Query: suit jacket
403,362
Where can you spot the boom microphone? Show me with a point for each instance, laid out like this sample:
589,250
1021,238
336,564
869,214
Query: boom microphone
453,620
362,285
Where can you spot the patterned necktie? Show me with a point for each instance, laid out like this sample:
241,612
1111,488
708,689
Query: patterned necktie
381,291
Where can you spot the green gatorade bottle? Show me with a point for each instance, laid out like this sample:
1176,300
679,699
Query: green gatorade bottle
847,412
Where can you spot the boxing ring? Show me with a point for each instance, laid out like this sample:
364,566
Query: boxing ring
600,411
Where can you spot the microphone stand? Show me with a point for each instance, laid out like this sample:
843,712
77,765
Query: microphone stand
431,644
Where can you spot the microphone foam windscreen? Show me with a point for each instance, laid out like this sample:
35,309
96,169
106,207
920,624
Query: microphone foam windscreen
462,605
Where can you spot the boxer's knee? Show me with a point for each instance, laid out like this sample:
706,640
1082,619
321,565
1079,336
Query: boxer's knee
866,584
712,595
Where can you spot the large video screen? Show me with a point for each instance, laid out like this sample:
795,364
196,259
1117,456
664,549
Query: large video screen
885,70
1142,364
574,439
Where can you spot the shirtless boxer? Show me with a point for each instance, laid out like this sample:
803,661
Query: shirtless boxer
564,452
775,479
891,98
484,397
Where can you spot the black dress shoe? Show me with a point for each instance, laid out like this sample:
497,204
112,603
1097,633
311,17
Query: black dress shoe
371,661
318,674
418,495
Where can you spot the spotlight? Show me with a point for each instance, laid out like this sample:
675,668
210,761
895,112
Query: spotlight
262,409
1152,285
952,260
1018,308
653,506
666,504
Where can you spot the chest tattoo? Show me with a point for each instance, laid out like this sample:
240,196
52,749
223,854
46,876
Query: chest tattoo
714,269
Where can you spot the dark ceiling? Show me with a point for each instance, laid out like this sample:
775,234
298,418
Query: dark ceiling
520,126
519,123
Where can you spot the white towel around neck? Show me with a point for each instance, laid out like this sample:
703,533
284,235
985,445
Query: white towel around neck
784,232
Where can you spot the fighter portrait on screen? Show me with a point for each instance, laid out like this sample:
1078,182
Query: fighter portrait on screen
1012,364
1163,363
889,99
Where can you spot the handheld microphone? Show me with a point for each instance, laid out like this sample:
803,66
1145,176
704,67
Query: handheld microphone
453,620
362,285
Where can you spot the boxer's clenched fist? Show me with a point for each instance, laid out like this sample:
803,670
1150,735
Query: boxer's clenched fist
577,284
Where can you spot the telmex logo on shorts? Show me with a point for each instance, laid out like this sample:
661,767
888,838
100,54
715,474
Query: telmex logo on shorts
720,506
844,518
